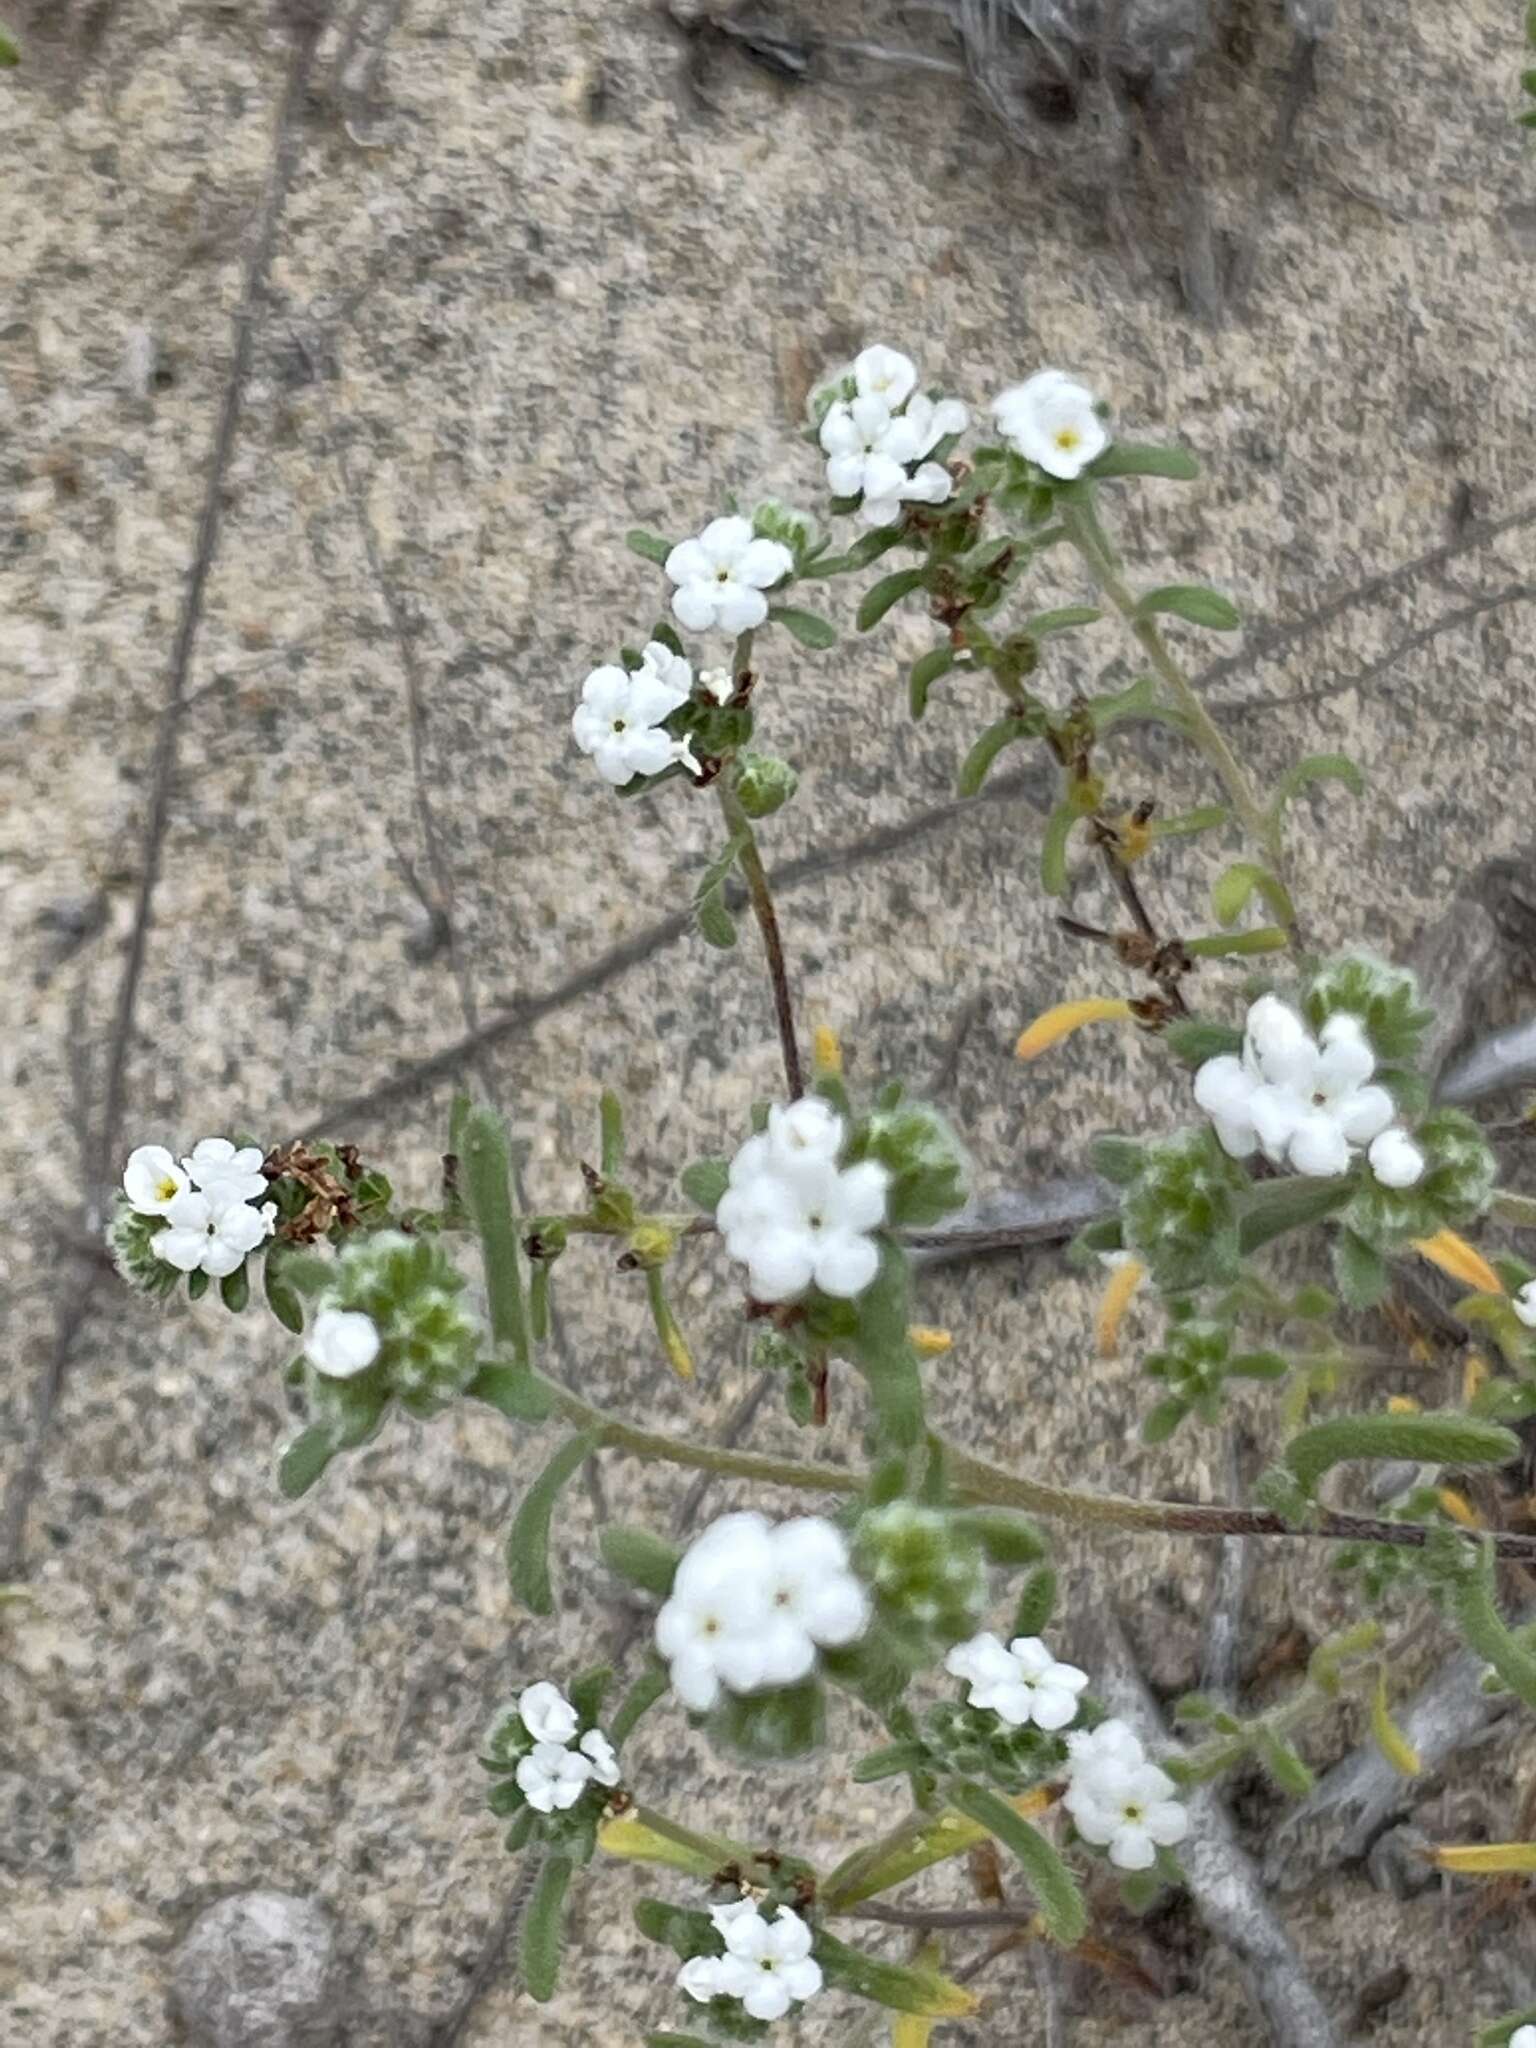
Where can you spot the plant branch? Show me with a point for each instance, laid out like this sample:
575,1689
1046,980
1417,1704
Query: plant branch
750,861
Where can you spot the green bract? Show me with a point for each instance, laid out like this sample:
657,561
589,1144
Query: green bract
1385,999
1457,1186
927,1571
428,1341
924,1158
972,1742
1180,1213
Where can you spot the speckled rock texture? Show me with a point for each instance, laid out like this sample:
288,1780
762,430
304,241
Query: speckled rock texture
259,1970
528,288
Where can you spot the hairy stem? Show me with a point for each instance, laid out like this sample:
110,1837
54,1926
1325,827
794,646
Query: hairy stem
753,873
1082,530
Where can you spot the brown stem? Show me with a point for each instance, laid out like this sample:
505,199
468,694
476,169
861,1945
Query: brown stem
750,861
937,1922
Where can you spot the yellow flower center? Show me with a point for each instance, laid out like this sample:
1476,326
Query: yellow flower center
1067,438
166,1189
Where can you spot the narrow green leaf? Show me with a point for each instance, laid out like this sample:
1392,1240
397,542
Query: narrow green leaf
235,1289
520,1396
1272,1207
1435,1439
1161,1422
281,1297
879,598
926,671
611,1114
1316,768
1359,1271
487,1172
1474,1603
1258,1365
544,1928
198,1284
1283,1764
988,745
1194,1040
635,1554
1139,700
1008,1537
539,1274
667,2040
1233,888
1204,818
588,1690
1055,1888
1264,938
716,925
651,545
1193,603
1132,458
1062,620
1037,1602
809,628
896,1986
1053,849
893,1762
885,1355
303,1461
648,1688
528,1538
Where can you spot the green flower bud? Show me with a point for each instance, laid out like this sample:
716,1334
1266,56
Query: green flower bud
1456,1186
972,1742
926,1161
1385,999
1193,1361
799,531
429,1344
765,784
927,1572
1179,1215
129,1240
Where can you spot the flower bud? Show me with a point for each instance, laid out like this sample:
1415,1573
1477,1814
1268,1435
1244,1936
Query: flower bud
765,784
128,1238
1179,1215
651,1244
925,1160
428,1342
927,1571
1455,1187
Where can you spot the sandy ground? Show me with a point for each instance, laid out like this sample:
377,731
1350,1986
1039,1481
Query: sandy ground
524,293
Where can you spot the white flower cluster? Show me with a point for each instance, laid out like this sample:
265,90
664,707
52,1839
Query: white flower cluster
552,1775
1020,1682
210,1202
1119,1799
1307,1102
767,1963
875,441
792,1216
619,720
1052,421
722,573
752,1603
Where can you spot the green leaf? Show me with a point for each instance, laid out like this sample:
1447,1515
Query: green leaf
1008,1537
1258,1365
520,1396
1229,896
10,55
771,1727
198,1284
1283,1764
1164,1419
1316,768
704,1182
1272,1207
1194,1041
235,1289
1264,938
1132,458
528,1538
809,628
303,1461
1359,1271
611,1114
648,1688
1055,1888
1062,620
1140,700
1183,824
1037,1602
1435,1439
1193,603
666,2040
544,1928
1053,849
281,1297
879,598
1116,1159
635,1554
926,671
588,1690
988,745
894,1762
897,1986
651,545
716,925
1473,1600
487,1175
885,1355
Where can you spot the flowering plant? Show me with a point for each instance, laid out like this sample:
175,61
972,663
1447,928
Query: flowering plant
1311,1119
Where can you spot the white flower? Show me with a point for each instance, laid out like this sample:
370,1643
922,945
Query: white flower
216,1163
871,451
341,1342
1395,1160
546,1712
1305,1103
1118,1800
707,1977
719,683
211,1232
774,1967
1052,421
881,372
552,1776
722,574
791,1216
152,1180
619,719
1523,2037
599,1752
1019,1684
751,1604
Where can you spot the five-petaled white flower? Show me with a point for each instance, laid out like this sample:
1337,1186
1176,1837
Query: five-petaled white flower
1523,2037
619,719
1524,1304
211,1232
1119,1800
884,373
546,1712
1052,421
218,1163
552,1776
152,1180
751,1603
1019,1683
1307,1102
722,573
767,1963
871,451
342,1342
792,1216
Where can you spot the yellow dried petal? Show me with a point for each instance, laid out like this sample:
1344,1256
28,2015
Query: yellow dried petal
1123,1283
1459,1508
826,1050
1403,1404
1390,1739
1453,1255
1474,1377
928,1342
1487,1859
1061,1022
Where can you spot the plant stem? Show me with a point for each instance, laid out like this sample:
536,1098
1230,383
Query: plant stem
1082,530
750,861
